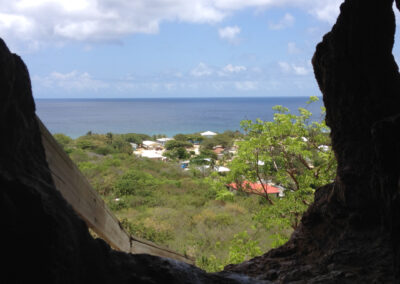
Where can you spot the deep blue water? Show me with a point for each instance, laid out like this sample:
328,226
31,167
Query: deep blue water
75,117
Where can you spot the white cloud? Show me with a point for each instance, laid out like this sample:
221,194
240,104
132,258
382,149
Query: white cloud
249,81
327,12
246,85
229,33
292,48
201,70
300,70
285,22
73,81
293,69
233,69
110,20
285,67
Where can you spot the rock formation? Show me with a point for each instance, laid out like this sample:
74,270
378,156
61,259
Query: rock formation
350,233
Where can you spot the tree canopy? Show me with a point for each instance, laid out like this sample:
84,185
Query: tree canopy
292,151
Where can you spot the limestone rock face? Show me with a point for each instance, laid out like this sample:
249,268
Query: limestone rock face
351,232
42,239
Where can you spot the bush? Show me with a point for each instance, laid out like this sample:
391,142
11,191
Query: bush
135,182
136,138
118,204
84,144
63,140
243,248
104,150
149,233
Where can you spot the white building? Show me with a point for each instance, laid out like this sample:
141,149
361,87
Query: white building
208,134
151,154
222,169
163,141
150,144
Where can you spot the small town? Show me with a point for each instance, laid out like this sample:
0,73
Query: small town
157,149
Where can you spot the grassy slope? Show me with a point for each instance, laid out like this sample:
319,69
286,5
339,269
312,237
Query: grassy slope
175,208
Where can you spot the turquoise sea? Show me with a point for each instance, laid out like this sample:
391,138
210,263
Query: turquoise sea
75,117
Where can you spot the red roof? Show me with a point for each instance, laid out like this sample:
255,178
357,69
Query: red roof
256,188
218,150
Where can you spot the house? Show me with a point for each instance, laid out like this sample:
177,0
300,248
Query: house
219,151
222,170
208,134
185,164
134,146
150,145
195,149
153,154
233,150
324,148
163,141
256,188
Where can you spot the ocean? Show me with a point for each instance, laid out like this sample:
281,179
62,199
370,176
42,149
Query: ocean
169,116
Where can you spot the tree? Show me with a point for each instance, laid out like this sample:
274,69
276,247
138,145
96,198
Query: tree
109,136
223,139
172,144
136,138
120,145
178,153
181,137
292,151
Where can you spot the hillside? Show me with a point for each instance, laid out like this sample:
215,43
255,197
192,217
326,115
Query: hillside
161,202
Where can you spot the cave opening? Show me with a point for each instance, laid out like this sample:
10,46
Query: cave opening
349,234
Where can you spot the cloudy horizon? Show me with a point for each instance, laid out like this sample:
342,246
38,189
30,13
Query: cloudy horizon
167,48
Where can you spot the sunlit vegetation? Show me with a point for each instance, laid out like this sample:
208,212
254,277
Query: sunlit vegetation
191,211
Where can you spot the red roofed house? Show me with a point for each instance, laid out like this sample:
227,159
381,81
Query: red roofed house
219,150
256,188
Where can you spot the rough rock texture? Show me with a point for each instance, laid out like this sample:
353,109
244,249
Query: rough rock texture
42,240
351,232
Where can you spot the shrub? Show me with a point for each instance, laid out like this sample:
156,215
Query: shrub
243,248
63,140
159,236
135,182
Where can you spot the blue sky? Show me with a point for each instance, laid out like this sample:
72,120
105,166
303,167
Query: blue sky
167,48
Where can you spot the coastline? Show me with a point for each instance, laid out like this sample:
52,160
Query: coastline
169,116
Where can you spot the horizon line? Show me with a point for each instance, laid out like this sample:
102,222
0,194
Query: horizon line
124,98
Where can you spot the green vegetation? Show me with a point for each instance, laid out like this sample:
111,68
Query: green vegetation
176,149
192,211
224,139
290,151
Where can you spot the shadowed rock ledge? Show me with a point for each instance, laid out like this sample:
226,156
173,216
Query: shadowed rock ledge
349,234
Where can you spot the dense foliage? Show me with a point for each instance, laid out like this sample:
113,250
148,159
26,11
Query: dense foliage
293,152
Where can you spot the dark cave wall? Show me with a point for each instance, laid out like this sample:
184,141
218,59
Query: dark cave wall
41,238
360,83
